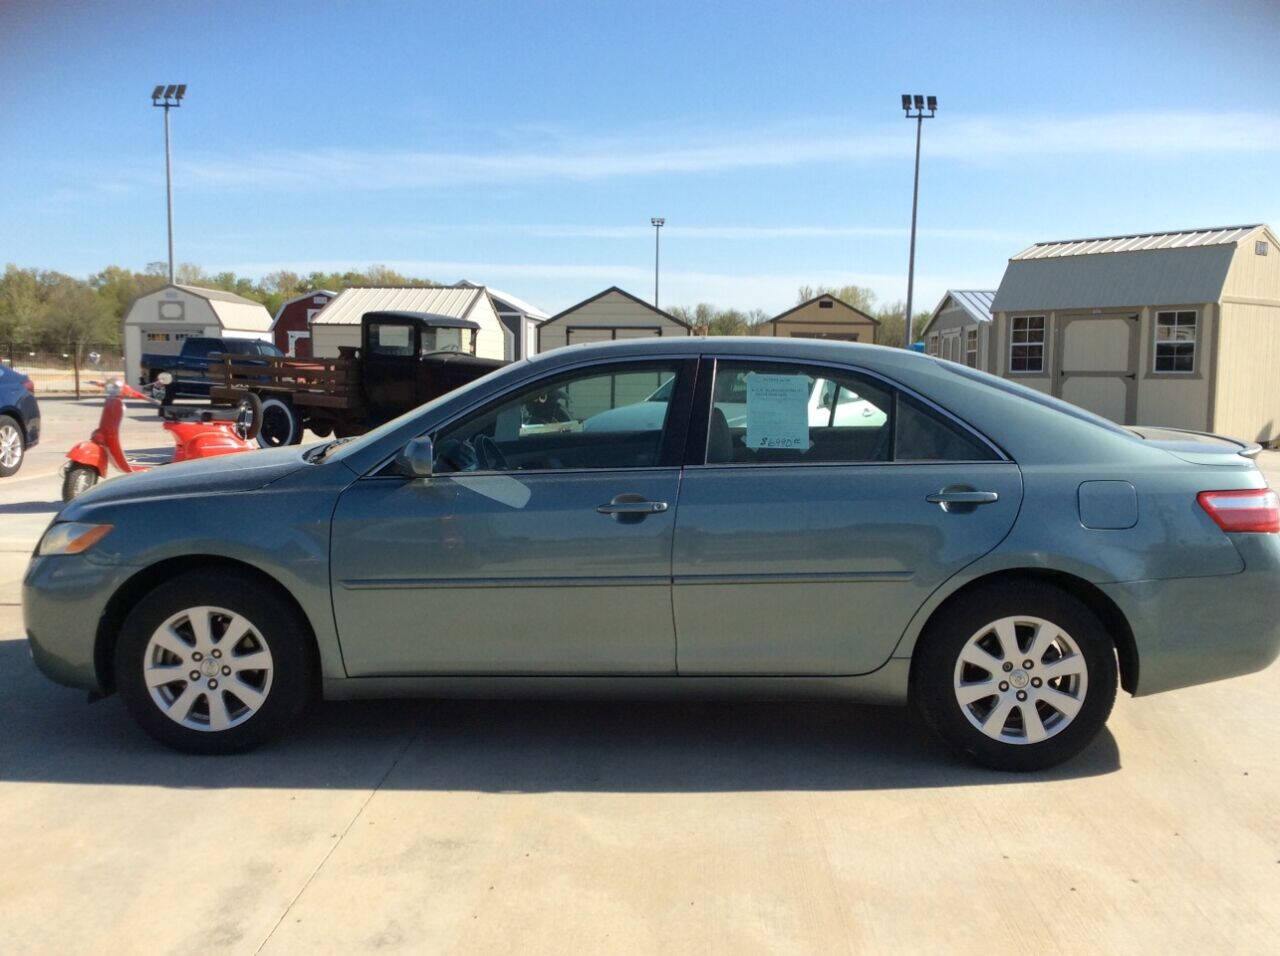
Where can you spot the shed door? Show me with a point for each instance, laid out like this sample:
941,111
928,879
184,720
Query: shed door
1097,365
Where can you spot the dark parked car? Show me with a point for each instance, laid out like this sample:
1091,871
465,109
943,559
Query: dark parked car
994,557
199,364
19,419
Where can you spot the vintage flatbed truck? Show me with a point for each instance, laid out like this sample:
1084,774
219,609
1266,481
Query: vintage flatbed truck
404,359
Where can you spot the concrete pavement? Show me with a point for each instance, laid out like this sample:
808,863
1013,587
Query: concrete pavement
690,827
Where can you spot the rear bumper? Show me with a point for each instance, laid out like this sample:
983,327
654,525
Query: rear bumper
1195,630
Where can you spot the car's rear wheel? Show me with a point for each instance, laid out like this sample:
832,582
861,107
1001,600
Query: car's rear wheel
280,424
1020,676
78,480
12,446
213,663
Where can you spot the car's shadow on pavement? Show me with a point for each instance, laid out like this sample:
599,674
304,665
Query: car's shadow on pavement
50,734
30,507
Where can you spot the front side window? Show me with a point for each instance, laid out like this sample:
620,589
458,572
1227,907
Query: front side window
388,339
764,413
1026,343
971,348
615,418
1175,341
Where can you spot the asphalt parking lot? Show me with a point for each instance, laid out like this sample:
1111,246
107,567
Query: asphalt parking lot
686,827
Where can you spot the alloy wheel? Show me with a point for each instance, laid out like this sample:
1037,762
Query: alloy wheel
207,668
10,446
1020,680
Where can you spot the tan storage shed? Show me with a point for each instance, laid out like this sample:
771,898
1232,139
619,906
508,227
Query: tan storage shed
822,317
608,315
158,322
338,323
1175,328
960,327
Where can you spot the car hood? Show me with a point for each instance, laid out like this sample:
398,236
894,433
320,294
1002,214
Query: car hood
223,474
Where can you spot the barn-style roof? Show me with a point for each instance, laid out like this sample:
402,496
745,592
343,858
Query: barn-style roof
1163,268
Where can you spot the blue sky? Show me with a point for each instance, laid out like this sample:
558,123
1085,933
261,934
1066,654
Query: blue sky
526,145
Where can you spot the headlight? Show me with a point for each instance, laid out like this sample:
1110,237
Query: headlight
71,537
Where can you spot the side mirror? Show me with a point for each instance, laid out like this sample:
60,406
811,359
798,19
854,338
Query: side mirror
417,458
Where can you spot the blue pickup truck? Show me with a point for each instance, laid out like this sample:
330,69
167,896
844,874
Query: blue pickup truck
195,369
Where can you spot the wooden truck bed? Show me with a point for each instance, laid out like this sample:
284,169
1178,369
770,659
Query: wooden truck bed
321,382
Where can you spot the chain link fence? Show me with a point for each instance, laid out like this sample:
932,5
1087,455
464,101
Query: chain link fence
60,373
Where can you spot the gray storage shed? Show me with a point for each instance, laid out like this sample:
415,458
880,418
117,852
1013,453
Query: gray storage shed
960,327
1172,328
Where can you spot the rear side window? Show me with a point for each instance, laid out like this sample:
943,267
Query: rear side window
766,413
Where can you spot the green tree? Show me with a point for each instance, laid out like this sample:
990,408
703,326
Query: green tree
21,305
893,324
75,316
857,296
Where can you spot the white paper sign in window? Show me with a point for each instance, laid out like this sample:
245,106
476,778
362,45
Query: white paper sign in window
777,411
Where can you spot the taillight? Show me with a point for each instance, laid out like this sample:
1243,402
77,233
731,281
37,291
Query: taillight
30,386
1255,509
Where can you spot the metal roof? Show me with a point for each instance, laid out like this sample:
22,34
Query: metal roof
350,304
1181,239
517,305
216,295
1170,268
974,301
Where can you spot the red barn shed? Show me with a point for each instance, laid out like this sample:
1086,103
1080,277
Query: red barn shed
291,329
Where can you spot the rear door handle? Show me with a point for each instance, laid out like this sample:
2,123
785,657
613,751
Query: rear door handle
962,498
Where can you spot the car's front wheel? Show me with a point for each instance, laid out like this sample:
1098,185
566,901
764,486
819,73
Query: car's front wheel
1020,676
213,663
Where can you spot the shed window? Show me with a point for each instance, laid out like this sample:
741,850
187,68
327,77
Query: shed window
1026,343
1260,247
826,304
971,348
1175,341
933,343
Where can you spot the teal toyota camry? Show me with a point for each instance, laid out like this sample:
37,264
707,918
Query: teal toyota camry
996,559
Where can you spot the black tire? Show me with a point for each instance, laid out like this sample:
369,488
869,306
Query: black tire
254,404
933,690
12,438
78,480
276,625
280,424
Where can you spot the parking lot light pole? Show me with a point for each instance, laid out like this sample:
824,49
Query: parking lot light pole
168,97
657,222
914,105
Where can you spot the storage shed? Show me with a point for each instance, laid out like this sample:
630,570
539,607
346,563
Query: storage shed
822,317
611,314
960,326
291,328
338,323
520,321
1173,328
158,322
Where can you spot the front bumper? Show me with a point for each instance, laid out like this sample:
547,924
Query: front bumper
1195,630
63,600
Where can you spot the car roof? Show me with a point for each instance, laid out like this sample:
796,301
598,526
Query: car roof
871,356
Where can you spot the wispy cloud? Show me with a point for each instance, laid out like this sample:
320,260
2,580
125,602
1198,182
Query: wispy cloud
698,233
979,140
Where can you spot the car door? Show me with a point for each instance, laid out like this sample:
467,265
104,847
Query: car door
804,546
541,544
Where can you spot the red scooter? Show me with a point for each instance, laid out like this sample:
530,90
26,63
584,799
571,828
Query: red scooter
197,432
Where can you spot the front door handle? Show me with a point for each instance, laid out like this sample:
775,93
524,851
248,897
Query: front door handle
631,507
961,500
